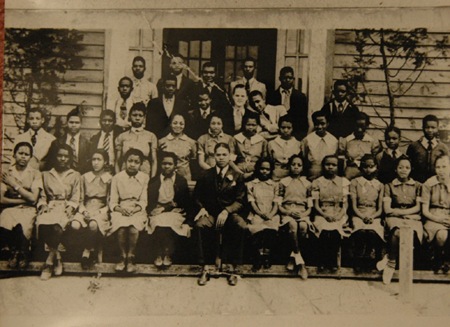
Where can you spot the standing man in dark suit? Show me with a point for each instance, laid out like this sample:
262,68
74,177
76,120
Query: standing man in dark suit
219,99
293,100
162,109
185,86
220,195
80,144
197,122
106,138
342,114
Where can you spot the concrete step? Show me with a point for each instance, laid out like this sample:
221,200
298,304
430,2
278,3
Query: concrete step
74,268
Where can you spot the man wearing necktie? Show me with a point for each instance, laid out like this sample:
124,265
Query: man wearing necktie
249,79
79,144
293,100
124,103
342,113
219,195
161,110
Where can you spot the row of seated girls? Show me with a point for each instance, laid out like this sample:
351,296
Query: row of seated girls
331,207
289,184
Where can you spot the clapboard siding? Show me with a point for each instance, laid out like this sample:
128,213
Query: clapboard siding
82,86
430,95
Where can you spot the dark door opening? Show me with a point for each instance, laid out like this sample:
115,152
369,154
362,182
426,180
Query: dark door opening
226,48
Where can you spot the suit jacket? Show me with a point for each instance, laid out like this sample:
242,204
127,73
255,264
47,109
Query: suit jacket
298,110
181,196
96,137
84,147
185,91
341,125
157,120
215,197
196,126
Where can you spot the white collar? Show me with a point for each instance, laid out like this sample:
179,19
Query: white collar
76,136
280,141
162,178
218,136
140,176
289,91
268,182
344,104
390,152
424,141
66,173
366,138
136,129
224,170
314,139
90,176
168,99
287,180
253,140
362,181
396,182
172,137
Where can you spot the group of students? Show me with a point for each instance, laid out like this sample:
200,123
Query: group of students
260,177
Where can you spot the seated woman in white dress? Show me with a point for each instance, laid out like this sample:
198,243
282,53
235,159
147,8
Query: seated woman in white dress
20,189
92,218
169,206
57,205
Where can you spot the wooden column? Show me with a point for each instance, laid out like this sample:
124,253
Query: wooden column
406,264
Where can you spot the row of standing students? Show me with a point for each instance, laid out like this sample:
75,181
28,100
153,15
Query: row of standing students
98,204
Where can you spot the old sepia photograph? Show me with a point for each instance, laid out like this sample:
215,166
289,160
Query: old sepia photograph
214,163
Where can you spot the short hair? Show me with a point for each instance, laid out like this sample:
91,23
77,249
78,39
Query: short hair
259,163
222,145
108,112
133,152
170,78
21,144
139,58
324,160
75,112
340,82
317,114
401,158
294,156
179,55
248,58
126,78
167,154
101,152
286,69
58,147
208,64
363,116
178,115
429,118
440,157
238,86
138,106
255,93
215,115
367,156
203,91
392,129
249,115
39,110
285,119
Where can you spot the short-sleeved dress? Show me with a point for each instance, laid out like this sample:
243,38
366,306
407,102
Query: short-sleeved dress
138,139
248,151
59,192
367,194
94,193
437,195
354,149
184,147
207,142
280,151
403,196
264,194
296,195
332,194
128,191
22,214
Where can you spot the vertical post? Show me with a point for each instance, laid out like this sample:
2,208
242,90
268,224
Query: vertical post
406,264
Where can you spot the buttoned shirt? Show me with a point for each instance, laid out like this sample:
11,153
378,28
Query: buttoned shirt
281,150
122,109
129,188
65,186
143,90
